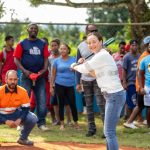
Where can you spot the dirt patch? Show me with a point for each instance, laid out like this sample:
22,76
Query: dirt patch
59,146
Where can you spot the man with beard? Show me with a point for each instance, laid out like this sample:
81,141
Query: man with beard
31,56
14,107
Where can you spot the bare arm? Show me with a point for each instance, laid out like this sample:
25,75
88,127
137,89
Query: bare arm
92,73
140,76
52,80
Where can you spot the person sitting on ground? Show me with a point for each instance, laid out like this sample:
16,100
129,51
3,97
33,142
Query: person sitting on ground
14,107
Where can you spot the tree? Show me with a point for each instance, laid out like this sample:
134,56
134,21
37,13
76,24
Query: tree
118,15
2,9
67,34
138,11
12,29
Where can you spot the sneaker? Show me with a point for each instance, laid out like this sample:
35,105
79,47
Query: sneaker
56,123
84,111
44,128
19,128
91,133
25,142
130,125
145,122
103,136
138,124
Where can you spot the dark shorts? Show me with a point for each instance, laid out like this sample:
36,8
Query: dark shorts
131,90
140,100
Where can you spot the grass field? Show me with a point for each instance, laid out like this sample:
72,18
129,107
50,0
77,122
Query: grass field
127,137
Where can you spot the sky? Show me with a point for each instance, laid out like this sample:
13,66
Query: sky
44,13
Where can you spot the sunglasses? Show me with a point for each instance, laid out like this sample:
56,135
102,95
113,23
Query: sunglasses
95,30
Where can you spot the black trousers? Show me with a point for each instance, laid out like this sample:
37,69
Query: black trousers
63,93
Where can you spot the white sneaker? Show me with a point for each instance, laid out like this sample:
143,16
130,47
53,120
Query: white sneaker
84,110
44,128
145,122
19,128
138,124
130,125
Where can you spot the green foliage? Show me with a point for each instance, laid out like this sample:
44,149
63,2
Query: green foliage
113,47
73,50
34,2
2,9
68,34
2,36
13,29
101,15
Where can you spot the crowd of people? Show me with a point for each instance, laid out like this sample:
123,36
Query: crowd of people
49,77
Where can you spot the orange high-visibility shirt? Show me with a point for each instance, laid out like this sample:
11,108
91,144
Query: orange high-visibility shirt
9,102
144,54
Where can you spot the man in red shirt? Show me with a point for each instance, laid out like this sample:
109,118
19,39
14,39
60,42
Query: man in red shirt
6,58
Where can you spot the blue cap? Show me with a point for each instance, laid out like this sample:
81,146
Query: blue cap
146,40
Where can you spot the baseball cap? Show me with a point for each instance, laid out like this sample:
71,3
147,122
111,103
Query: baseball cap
146,40
30,24
132,42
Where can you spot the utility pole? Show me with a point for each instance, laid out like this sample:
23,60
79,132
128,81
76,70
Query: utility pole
93,11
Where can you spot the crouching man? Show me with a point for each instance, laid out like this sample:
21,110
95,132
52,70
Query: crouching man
14,107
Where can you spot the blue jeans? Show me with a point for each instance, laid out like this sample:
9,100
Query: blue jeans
114,105
28,125
40,96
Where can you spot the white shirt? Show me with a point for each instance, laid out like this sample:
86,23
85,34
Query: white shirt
105,69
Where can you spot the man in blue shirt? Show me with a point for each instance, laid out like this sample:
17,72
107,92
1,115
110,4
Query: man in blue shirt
31,56
129,75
